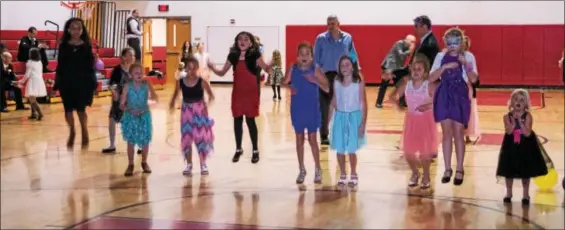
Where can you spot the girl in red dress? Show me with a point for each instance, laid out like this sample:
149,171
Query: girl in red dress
246,60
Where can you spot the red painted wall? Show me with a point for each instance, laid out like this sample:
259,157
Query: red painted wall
506,54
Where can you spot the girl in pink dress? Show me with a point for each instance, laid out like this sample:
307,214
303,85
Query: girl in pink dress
472,130
420,142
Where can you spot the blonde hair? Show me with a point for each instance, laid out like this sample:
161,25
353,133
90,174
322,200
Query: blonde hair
515,94
277,58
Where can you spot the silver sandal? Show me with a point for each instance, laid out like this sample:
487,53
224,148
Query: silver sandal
301,176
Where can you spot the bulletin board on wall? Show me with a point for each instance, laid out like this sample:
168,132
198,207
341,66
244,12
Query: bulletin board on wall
219,39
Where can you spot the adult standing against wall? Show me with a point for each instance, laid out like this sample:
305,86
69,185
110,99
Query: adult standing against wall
330,46
76,76
393,67
133,33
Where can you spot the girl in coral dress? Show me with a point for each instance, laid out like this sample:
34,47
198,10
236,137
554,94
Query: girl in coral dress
420,136
473,130
247,62
196,125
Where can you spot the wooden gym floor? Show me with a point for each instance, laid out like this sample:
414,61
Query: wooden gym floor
44,185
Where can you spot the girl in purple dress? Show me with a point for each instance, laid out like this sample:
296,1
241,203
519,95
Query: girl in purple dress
452,106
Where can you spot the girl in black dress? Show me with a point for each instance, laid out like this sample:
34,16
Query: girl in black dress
75,78
118,78
521,155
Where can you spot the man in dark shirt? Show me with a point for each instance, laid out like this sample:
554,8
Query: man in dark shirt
28,42
133,34
7,78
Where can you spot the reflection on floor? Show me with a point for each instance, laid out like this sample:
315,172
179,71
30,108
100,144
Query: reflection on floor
44,185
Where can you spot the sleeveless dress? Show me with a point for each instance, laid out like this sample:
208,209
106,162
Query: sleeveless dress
344,134
196,125
304,105
276,77
521,157
245,94
451,99
420,130
137,130
119,78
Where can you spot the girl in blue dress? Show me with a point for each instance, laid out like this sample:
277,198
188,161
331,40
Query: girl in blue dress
136,120
304,106
349,108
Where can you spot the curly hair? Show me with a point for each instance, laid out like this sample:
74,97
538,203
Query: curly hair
277,58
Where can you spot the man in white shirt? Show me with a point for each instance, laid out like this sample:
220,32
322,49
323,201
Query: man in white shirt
133,34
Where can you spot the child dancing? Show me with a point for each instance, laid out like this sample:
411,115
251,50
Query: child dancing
247,62
137,127
276,76
521,154
306,80
420,129
451,100
35,86
349,111
118,79
473,129
196,125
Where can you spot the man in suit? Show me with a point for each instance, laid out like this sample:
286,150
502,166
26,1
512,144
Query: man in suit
428,43
30,41
393,67
133,34
7,77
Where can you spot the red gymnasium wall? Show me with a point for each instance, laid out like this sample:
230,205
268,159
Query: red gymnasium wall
506,54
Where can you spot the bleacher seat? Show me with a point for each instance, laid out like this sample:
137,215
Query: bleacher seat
19,67
14,54
106,52
11,44
111,62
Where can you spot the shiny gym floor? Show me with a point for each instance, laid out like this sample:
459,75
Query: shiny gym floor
46,186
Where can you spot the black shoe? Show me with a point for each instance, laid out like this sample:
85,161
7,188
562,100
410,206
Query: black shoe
379,106
255,157
526,201
4,110
507,200
457,181
139,151
237,155
325,141
109,150
447,176
32,117
22,108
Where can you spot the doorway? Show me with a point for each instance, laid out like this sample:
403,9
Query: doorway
147,45
178,32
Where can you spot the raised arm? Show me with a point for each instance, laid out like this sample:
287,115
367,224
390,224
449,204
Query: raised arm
508,126
526,125
399,49
354,55
152,93
261,62
437,69
220,72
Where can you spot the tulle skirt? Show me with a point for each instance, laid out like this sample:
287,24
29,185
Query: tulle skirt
344,134
473,129
420,135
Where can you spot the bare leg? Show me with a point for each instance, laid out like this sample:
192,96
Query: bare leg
447,146
83,119
343,173
526,186
299,155
144,165
426,175
413,164
71,123
459,139
509,183
129,170
316,155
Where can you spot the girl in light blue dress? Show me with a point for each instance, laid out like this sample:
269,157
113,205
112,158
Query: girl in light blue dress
349,107
137,128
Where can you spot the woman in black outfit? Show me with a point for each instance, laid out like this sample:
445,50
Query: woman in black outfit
75,78
187,51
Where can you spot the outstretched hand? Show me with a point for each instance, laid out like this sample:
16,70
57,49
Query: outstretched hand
311,78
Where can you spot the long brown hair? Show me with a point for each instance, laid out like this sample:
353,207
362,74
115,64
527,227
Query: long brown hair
356,76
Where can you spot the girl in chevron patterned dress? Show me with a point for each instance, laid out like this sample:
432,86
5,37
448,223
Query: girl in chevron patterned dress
196,125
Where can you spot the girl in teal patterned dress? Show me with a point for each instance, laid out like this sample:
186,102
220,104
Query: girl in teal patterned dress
136,122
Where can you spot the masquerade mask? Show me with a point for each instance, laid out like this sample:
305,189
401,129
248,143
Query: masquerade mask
453,42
